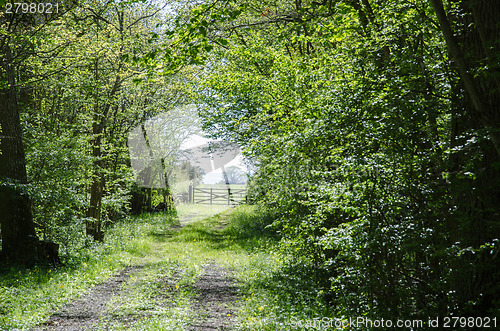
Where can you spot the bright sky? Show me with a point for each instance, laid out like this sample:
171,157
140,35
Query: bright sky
214,176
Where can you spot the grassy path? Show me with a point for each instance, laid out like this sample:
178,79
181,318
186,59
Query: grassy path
155,273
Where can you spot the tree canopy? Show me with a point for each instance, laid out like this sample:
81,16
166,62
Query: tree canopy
372,127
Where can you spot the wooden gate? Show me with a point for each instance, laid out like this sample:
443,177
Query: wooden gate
217,196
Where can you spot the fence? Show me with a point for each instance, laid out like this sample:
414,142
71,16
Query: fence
217,196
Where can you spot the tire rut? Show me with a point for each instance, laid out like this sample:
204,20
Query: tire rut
85,312
217,296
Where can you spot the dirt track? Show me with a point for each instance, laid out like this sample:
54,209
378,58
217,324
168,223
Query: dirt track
213,305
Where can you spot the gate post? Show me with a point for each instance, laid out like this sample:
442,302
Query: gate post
190,192
210,195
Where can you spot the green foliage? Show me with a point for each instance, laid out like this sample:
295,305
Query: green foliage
78,102
350,115
370,161
191,36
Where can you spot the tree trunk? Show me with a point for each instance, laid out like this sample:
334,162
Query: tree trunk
473,40
93,224
167,192
19,240
479,51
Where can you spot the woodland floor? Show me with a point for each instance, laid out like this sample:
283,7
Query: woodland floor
214,303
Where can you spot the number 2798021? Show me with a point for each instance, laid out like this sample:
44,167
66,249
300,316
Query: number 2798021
31,8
